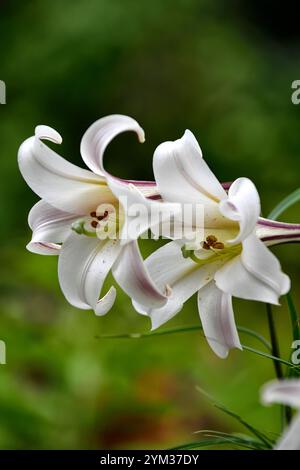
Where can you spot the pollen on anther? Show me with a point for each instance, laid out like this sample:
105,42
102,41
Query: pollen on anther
205,245
218,246
93,214
94,224
211,239
101,217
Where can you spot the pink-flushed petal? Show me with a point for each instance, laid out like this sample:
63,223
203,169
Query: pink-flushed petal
132,276
217,318
243,206
263,264
286,392
60,183
44,248
83,266
100,134
180,277
182,175
272,232
50,228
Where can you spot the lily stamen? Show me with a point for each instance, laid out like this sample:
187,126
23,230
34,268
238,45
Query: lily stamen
94,223
102,217
218,246
211,241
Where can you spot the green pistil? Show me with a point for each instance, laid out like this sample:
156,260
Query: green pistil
218,255
189,254
79,227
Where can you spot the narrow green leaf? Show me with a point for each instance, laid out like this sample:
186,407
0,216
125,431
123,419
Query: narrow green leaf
166,331
258,434
237,436
255,335
285,204
184,329
261,436
268,356
194,328
214,441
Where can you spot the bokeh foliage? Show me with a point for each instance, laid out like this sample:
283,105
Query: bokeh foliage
221,68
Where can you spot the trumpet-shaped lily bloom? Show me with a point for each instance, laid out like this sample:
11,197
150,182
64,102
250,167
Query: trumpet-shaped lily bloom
286,392
75,209
231,260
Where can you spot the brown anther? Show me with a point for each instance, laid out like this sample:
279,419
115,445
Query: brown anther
94,223
101,217
218,245
93,214
205,246
211,239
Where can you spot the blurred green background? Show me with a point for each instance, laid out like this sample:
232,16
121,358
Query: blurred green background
221,68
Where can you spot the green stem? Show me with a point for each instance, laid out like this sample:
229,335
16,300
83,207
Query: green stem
274,214
294,317
274,342
287,412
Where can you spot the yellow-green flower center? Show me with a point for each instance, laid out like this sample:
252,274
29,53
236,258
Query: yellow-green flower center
103,223
215,251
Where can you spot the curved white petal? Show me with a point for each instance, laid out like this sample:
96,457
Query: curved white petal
180,277
106,302
286,392
242,205
100,134
263,264
131,274
234,279
50,227
82,268
44,248
140,213
217,318
182,175
62,184
291,437
254,275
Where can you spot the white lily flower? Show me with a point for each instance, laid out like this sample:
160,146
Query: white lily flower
70,217
286,392
230,261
